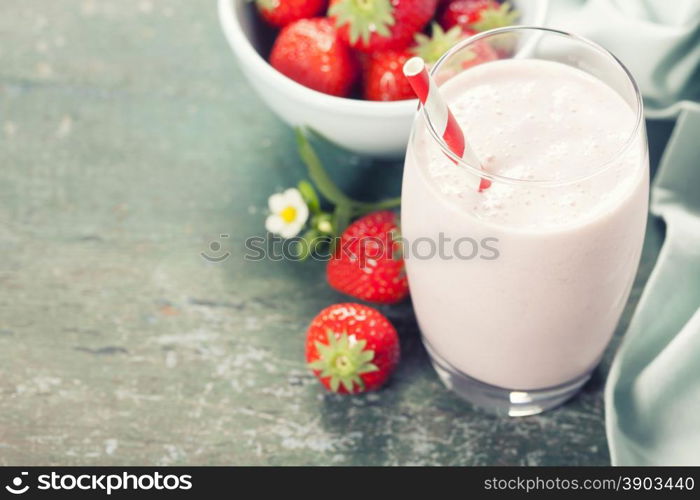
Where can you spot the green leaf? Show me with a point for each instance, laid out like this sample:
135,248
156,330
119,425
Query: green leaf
499,17
369,367
343,361
364,17
367,356
317,365
347,383
265,4
431,48
309,194
321,348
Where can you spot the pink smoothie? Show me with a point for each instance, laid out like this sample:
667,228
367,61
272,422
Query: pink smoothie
567,228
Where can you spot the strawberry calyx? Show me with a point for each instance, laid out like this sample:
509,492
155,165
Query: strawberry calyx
267,4
343,360
496,17
363,18
431,48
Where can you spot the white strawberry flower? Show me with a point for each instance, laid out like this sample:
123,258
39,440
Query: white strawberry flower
288,214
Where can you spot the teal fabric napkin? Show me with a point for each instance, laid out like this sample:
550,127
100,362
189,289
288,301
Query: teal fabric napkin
652,394
658,41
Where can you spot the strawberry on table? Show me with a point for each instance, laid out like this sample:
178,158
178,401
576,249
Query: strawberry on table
369,25
368,262
309,52
478,15
383,76
351,348
283,12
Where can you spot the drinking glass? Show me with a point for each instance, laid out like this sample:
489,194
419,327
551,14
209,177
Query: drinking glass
517,300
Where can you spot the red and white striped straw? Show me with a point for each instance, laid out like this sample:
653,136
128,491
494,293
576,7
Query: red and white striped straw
441,117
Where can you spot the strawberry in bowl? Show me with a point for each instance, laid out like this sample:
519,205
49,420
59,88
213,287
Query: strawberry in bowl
474,16
280,13
375,25
383,78
383,71
309,52
339,76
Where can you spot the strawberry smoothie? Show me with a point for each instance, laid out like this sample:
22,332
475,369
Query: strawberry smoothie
530,296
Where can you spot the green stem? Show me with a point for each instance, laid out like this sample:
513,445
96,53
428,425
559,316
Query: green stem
328,188
318,174
362,208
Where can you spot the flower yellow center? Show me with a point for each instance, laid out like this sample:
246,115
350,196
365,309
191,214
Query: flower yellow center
288,214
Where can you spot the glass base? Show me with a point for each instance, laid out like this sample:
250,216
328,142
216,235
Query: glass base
500,401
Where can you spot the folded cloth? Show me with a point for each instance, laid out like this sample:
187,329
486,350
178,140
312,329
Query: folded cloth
658,41
652,395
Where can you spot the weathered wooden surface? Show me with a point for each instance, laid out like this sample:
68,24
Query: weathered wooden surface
128,143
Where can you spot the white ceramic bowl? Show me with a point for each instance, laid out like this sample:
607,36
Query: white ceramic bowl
365,127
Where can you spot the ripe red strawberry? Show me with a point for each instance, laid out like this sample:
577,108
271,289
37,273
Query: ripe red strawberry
369,25
283,12
383,76
383,71
351,348
309,52
464,13
479,15
368,263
